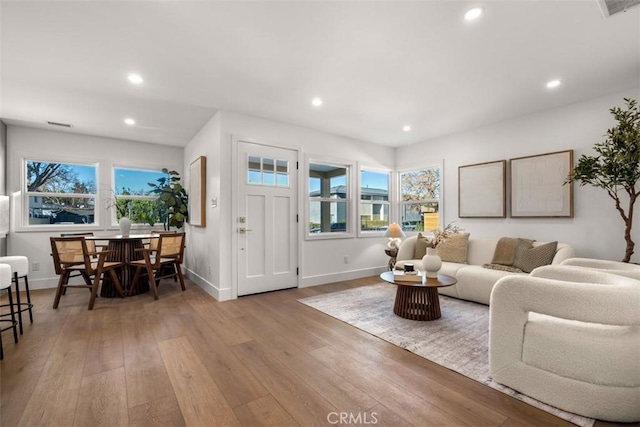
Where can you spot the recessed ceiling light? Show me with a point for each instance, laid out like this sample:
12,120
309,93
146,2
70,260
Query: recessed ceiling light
473,14
134,78
130,122
316,102
406,128
553,84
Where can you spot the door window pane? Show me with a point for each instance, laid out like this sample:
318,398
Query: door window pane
265,171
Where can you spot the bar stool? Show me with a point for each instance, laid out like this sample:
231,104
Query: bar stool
20,269
5,283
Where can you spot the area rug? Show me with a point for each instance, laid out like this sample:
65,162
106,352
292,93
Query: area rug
459,340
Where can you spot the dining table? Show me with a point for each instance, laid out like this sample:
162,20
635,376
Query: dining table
124,249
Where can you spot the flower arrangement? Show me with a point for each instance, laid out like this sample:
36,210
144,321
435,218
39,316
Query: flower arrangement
440,236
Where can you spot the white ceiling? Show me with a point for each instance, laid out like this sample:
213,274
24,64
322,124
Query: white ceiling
377,65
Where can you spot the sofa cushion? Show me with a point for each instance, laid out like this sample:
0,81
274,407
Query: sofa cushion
421,245
454,248
475,283
528,257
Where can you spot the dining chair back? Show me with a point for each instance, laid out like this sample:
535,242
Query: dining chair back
70,255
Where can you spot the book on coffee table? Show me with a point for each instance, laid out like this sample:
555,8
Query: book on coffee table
401,276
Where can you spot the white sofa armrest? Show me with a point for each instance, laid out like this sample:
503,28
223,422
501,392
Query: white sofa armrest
614,267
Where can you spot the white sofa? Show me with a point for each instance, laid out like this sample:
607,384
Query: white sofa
474,281
569,336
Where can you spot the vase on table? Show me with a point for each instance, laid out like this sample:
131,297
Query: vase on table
431,263
125,226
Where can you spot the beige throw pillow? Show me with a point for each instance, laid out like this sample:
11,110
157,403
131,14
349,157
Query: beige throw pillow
420,249
528,258
454,248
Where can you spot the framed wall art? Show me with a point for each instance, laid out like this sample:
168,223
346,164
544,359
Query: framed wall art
538,186
482,190
197,192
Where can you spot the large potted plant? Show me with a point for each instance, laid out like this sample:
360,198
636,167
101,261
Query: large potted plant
172,200
616,168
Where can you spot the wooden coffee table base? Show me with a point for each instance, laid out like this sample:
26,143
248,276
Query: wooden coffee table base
417,303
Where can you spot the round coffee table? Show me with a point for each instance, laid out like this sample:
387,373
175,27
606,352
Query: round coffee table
418,300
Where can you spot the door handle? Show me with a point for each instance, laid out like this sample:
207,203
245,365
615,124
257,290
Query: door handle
243,230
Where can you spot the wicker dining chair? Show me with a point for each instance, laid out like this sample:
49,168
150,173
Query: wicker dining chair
71,255
163,262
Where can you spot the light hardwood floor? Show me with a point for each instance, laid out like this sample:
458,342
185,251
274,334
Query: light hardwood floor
266,359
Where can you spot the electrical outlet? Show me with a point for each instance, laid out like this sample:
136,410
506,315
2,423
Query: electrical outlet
35,266
346,259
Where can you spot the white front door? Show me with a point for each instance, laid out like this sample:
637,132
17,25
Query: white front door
267,228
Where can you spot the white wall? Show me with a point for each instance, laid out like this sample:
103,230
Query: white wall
52,145
3,177
321,261
596,230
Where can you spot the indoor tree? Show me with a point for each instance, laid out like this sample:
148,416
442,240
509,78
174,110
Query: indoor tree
172,200
616,167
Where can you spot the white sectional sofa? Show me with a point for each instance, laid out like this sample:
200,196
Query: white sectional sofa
474,281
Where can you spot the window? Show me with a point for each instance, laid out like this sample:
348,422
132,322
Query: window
133,197
420,199
60,193
374,200
265,171
328,198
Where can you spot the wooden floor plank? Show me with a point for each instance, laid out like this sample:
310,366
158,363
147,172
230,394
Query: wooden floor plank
265,411
304,405
101,401
162,412
393,395
146,375
339,392
199,398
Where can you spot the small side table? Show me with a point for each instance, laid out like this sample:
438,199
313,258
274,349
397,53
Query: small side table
392,253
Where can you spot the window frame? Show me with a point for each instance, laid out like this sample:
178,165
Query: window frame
400,204
348,201
389,203
22,224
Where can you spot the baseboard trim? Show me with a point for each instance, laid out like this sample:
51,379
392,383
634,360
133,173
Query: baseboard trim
208,287
323,279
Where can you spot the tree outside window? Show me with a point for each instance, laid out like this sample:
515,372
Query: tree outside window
60,193
420,199
133,197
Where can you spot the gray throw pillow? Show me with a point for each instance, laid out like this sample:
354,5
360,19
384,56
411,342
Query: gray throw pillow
528,258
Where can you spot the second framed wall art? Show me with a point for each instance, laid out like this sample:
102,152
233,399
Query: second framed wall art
539,188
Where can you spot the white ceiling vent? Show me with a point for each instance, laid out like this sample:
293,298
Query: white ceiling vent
611,7
64,125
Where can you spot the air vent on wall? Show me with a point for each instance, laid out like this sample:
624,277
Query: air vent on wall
64,125
611,7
